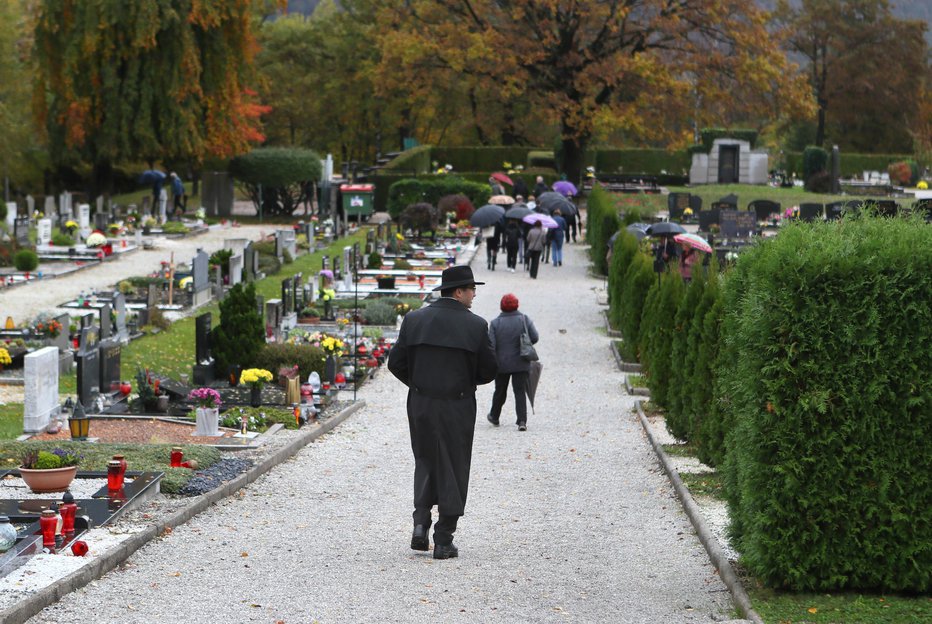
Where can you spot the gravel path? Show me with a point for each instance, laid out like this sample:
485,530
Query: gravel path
25,302
572,521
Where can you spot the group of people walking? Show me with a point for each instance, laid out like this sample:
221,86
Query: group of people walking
531,242
442,354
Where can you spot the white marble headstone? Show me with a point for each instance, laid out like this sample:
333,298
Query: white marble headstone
30,204
10,215
84,216
44,231
236,269
50,209
40,374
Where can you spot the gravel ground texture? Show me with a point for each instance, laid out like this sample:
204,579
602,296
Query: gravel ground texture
571,521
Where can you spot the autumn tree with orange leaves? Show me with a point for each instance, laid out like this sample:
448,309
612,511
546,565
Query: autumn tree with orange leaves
153,80
652,68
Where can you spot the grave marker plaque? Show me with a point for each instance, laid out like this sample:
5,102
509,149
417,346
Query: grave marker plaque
810,212
119,306
236,269
84,216
44,231
106,323
204,361
21,231
763,208
737,223
708,218
676,204
40,386
288,295
834,210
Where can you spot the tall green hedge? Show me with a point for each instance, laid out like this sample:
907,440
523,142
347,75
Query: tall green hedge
481,158
851,164
828,465
413,161
638,280
657,329
650,161
601,222
681,357
626,246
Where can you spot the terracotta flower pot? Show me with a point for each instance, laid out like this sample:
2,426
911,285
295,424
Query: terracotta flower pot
50,480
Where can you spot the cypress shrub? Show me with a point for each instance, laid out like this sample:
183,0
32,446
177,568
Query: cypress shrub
706,422
815,159
828,465
638,280
682,358
240,336
660,342
602,221
648,326
626,247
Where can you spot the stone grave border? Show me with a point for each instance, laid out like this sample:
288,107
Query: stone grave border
719,560
625,367
636,390
109,560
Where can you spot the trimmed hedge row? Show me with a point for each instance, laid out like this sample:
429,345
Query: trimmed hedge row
852,165
649,161
430,189
802,374
828,462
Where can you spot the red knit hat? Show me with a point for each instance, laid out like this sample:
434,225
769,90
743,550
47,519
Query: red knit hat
509,303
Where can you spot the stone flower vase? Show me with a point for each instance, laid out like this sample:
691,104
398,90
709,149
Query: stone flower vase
48,480
207,419
330,368
255,396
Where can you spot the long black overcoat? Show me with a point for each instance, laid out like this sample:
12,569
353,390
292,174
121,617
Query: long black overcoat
442,353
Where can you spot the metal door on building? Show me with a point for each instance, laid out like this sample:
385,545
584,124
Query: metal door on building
728,164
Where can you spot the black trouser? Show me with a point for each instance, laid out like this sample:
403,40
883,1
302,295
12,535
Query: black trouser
443,530
491,251
572,225
534,257
518,386
512,257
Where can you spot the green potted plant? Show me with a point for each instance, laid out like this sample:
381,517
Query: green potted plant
49,471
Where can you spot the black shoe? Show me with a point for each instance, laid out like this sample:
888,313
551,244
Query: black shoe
489,418
419,539
445,551
522,427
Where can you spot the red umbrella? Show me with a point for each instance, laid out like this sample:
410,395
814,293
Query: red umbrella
501,177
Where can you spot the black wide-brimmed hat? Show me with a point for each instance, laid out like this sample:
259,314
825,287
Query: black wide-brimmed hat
457,277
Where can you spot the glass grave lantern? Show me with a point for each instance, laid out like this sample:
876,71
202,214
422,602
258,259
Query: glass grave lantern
79,423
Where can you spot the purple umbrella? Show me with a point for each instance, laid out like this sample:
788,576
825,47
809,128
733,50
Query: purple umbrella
543,219
567,189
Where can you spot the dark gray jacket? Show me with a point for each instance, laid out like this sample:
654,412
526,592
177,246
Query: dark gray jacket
505,335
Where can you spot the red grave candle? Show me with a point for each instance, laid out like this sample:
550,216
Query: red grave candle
68,510
123,465
48,523
176,457
114,476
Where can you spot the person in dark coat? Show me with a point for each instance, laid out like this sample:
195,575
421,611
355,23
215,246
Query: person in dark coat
179,204
512,239
505,335
540,187
520,187
442,353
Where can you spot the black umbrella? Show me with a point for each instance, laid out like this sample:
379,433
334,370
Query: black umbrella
665,228
638,229
151,176
550,201
518,211
490,214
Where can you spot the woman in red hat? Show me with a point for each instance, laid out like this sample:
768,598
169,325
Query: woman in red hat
505,335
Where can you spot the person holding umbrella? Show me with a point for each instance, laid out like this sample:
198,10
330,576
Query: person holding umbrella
557,235
442,353
512,236
535,245
505,335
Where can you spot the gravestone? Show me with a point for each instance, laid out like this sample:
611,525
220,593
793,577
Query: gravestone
279,246
200,268
260,306
10,215
64,205
676,204
146,206
737,223
109,354
834,210
40,386
288,241
289,318
810,212
217,283
152,296
88,359
21,231
763,208
99,205
87,321
49,209
728,202
348,272
30,204
236,245
119,307
273,319
106,323
236,269
887,208
61,340
310,230
84,219
204,361
298,292
101,221
708,218
695,202
250,264
44,231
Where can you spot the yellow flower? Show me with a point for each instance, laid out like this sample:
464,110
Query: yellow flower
5,356
399,236
255,376
923,185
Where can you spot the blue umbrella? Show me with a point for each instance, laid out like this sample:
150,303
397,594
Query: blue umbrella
152,176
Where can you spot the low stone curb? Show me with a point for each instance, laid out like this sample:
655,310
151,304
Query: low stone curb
712,547
612,333
625,367
32,605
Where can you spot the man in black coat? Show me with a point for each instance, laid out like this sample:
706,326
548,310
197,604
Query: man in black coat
442,353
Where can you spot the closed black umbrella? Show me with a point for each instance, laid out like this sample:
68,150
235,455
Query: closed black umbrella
490,214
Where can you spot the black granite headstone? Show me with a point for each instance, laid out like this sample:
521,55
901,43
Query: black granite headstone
202,338
695,202
810,212
887,208
834,210
106,325
676,204
87,320
298,291
763,208
250,263
708,218
287,295
21,230
110,365
737,223
88,360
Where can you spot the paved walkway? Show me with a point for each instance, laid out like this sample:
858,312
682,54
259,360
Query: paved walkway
572,521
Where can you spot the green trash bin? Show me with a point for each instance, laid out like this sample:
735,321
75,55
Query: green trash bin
357,199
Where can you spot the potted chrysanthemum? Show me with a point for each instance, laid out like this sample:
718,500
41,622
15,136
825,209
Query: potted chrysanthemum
207,412
256,378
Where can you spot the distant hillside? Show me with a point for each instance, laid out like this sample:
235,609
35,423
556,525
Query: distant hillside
906,9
